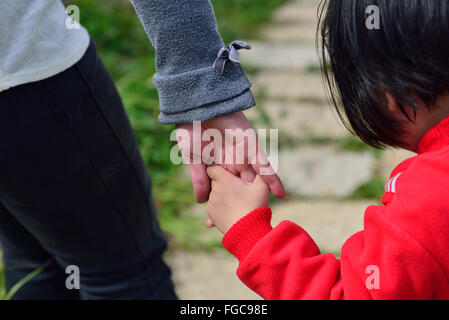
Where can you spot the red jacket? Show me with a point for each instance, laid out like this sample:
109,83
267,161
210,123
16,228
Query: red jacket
402,252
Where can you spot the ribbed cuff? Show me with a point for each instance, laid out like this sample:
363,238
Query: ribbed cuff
211,111
245,233
189,90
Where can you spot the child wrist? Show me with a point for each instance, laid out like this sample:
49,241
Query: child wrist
247,231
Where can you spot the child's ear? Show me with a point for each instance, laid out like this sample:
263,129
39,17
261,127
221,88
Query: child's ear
392,105
395,110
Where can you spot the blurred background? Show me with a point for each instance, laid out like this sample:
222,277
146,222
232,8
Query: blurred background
330,175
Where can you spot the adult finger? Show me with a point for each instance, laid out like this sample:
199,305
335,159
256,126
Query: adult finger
275,184
248,174
200,182
263,168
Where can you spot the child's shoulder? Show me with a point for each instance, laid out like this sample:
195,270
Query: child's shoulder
429,165
423,174
434,162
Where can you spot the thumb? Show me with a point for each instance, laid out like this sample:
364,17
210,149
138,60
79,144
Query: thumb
216,172
259,181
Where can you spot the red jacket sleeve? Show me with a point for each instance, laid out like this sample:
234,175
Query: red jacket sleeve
400,254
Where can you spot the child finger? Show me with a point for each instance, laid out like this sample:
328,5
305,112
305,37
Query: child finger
216,172
259,181
209,223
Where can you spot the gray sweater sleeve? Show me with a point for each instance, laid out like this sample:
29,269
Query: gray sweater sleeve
185,37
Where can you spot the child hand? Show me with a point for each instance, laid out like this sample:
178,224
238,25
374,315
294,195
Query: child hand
232,199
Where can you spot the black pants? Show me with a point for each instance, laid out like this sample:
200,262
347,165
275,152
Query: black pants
74,191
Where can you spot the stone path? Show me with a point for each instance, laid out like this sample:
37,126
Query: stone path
318,172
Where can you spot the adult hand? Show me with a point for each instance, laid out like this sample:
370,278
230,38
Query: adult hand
254,159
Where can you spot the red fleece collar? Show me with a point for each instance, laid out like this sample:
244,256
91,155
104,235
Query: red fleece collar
436,138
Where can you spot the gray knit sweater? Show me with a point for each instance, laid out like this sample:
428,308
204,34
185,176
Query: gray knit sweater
185,37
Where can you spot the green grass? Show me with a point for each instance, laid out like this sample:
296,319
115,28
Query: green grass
312,68
8,295
372,189
2,283
375,187
239,18
354,144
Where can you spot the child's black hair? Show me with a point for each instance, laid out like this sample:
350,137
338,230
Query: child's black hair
408,57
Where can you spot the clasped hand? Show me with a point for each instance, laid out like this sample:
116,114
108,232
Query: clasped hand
233,189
